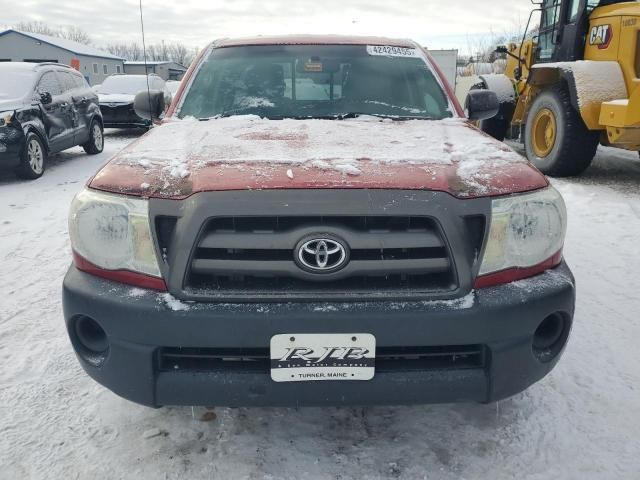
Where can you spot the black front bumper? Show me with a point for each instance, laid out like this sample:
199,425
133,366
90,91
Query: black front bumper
122,116
139,325
12,143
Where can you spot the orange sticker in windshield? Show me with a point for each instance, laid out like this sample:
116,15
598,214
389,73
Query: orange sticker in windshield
313,67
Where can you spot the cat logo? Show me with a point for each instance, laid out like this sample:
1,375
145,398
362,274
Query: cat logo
601,36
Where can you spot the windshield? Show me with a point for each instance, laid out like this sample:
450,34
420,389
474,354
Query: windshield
310,81
15,83
125,84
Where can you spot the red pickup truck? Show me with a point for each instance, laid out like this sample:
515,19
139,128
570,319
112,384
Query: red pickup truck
317,222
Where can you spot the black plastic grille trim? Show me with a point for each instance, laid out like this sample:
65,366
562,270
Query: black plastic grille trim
243,254
256,360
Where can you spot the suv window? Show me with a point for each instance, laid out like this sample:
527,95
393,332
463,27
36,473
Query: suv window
67,80
49,83
79,81
315,81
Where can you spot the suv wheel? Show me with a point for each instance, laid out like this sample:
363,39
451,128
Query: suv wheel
33,158
96,139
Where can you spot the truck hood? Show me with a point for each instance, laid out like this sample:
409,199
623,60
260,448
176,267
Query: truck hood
183,157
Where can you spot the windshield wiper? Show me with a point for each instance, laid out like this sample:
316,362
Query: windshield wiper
331,116
341,116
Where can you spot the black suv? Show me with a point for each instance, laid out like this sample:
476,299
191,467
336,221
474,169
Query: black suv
45,108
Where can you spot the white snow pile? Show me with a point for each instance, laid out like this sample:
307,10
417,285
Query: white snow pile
596,82
501,85
179,148
622,101
255,102
456,304
173,303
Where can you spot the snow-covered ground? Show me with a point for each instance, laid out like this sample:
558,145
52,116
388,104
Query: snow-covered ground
581,422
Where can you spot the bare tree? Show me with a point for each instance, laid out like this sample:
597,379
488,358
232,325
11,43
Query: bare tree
118,49
135,52
173,52
69,32
37,27
178,53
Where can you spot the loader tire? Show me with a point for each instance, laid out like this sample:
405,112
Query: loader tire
557,141
496,127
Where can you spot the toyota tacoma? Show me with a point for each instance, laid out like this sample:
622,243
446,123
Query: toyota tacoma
317,222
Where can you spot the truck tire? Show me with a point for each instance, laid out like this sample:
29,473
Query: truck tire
556,140
496,127
33,158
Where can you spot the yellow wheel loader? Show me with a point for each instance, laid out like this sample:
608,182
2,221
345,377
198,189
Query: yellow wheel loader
573,85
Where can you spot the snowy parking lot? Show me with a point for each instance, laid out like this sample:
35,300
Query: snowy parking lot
582,421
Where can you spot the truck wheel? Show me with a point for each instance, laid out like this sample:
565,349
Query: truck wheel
33,158
96,139
557,141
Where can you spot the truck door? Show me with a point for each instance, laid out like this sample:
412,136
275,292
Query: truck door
563,30
549,30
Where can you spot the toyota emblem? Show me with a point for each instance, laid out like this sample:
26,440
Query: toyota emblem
322,254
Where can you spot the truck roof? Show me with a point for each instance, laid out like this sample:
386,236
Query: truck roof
313,40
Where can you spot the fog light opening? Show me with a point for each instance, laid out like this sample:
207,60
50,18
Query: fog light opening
91,340
550,337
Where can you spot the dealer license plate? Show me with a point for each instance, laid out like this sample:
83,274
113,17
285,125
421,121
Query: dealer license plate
310,357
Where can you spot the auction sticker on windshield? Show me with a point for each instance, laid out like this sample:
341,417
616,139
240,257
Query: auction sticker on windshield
311,357
389,51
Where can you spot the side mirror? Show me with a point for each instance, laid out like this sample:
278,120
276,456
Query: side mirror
149,105
45,98
481,104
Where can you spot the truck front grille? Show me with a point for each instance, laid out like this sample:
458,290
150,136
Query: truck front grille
255,256
256,360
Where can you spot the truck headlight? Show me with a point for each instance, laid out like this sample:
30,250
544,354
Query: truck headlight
113,232
525,231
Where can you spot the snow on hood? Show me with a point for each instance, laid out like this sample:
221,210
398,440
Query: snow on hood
595,81
115,98
247,152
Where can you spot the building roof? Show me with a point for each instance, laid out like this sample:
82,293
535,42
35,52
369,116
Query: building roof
68,45
152,63
313,40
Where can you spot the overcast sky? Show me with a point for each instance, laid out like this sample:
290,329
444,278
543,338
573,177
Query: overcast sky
437,24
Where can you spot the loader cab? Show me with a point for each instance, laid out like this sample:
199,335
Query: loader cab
563,29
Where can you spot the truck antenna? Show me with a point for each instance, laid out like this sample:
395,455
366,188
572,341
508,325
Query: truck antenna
146,70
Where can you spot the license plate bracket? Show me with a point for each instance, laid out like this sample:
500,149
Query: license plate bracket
308,357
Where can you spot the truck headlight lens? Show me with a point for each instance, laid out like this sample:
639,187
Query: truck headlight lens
525,230
113,232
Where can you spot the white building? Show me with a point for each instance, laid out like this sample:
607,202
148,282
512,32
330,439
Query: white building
165,69
94,64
